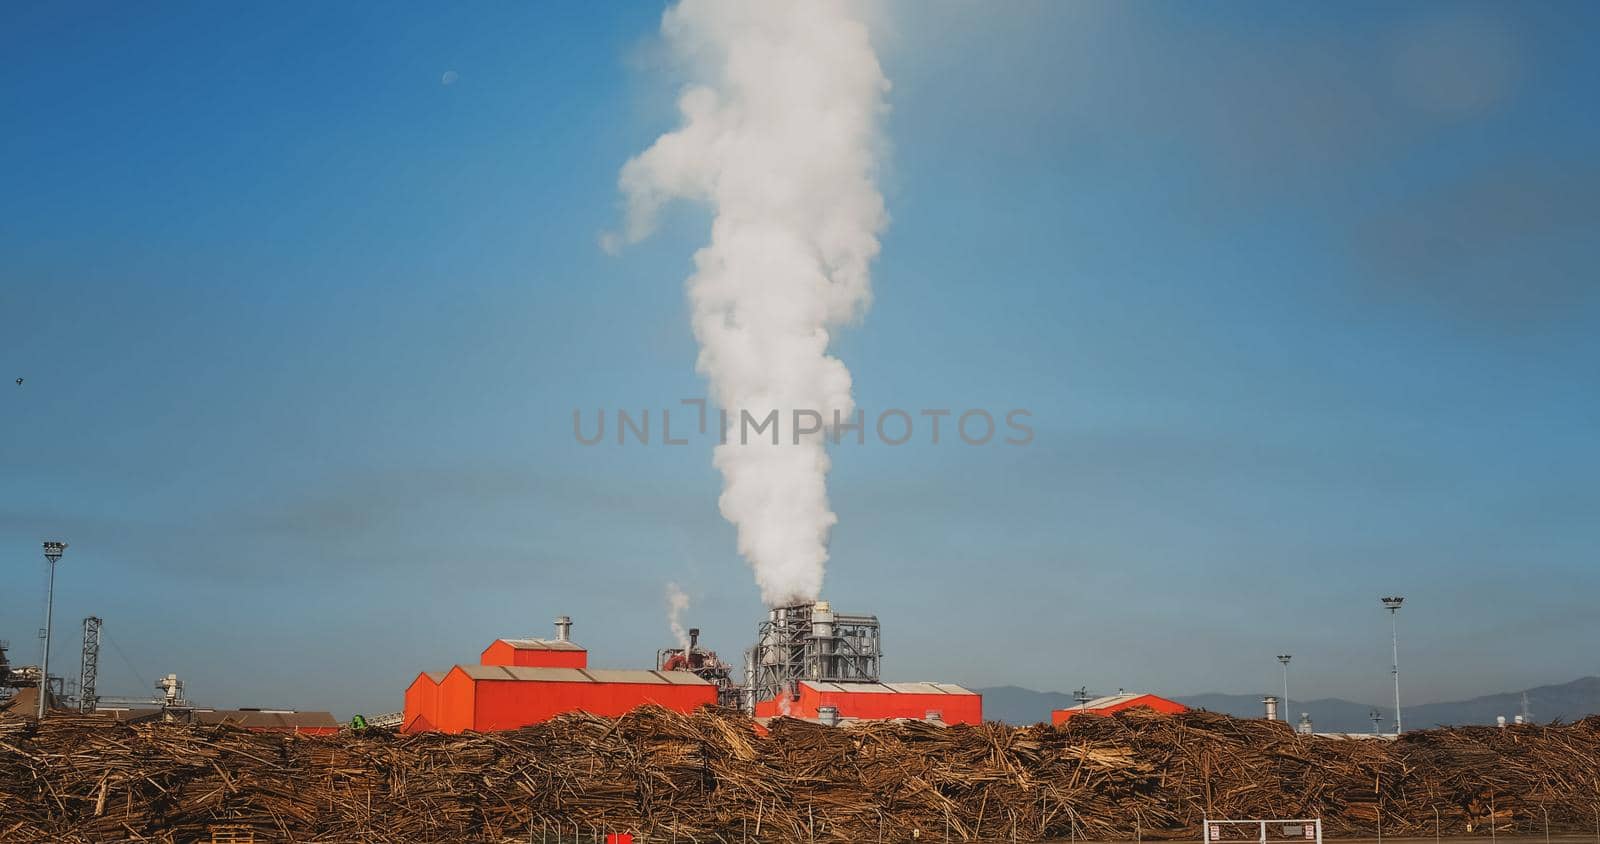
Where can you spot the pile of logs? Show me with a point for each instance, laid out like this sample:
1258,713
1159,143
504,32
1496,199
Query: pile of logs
710,776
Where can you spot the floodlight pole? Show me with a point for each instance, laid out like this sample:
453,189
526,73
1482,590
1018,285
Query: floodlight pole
1284,658
1392,604
52,553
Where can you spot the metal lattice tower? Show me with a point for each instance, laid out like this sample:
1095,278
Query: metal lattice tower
90,667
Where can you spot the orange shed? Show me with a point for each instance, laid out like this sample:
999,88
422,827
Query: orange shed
536,653
422,703
505,697
880,701
1117,703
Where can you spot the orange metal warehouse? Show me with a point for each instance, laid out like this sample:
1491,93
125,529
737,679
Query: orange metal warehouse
422,703
879,701
536,653
527,681
1117,703
505,697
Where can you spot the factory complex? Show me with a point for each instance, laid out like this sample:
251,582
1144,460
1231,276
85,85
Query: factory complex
808,662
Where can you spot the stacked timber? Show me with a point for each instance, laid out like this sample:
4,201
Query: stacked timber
709,776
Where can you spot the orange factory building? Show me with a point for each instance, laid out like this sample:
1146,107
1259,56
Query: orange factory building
526,681
944,702
1117,703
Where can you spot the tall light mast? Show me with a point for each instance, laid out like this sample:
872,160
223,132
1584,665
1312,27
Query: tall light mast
1392,604
1284,658
52,552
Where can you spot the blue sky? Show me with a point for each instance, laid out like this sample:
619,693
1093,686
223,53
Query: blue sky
1302,300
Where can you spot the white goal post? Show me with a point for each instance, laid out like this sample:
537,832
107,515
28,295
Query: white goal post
1261,831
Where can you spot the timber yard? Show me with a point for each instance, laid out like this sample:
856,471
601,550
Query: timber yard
803,742
1088,421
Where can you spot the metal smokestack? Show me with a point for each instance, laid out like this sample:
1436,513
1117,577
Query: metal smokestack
563,628
822,636
694,637
1271,702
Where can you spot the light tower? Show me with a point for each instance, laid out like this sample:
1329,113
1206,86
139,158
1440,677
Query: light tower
1392,604
1284,658
52,552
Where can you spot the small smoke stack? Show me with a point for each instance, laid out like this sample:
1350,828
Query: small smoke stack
1271,702
1500,720
828,715
563,628
694,637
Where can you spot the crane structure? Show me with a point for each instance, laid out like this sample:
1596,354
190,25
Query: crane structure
89,668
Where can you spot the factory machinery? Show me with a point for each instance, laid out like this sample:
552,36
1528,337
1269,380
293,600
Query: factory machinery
793,643
13,678
703,664
810,642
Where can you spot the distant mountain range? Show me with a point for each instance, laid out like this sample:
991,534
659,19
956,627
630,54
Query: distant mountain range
1567,702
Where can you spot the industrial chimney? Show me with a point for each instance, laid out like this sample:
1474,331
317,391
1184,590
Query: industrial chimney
694,638
1271,702
563,628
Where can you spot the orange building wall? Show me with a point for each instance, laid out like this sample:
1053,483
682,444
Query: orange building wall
457,693
1159,704
503,653
459,703
421,711
952,708
508,704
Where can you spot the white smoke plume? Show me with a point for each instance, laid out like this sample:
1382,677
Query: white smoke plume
677,604
781,137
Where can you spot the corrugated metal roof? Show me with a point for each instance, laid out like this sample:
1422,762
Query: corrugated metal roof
1110,700
580,675
436,676
930,689
543,645
888,688
680,678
